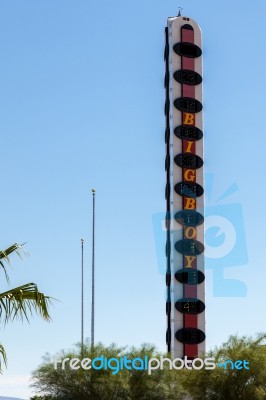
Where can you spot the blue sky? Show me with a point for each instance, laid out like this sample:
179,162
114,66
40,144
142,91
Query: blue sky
81,106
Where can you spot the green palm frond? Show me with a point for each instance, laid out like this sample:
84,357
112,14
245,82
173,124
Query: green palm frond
4,255
2,356
22,301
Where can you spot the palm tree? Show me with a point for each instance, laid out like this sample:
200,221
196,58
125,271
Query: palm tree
21,301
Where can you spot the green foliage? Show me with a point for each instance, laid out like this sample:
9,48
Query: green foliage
2,356
41,398
22,301
81,384
69,384
227,383
160,385
217,384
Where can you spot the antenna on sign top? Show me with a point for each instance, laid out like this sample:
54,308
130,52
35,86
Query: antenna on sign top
179,11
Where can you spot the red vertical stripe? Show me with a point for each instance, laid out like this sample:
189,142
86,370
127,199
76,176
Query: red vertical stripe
189,321
187,35
191,350
189,91
188,63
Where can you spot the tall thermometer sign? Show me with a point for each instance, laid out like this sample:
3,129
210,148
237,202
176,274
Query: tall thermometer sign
185,306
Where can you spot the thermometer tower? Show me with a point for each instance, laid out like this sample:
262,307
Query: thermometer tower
185,305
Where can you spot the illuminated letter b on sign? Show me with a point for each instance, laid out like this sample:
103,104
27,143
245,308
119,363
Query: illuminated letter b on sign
189,119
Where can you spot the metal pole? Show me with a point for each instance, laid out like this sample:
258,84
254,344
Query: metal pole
93,270
82,299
